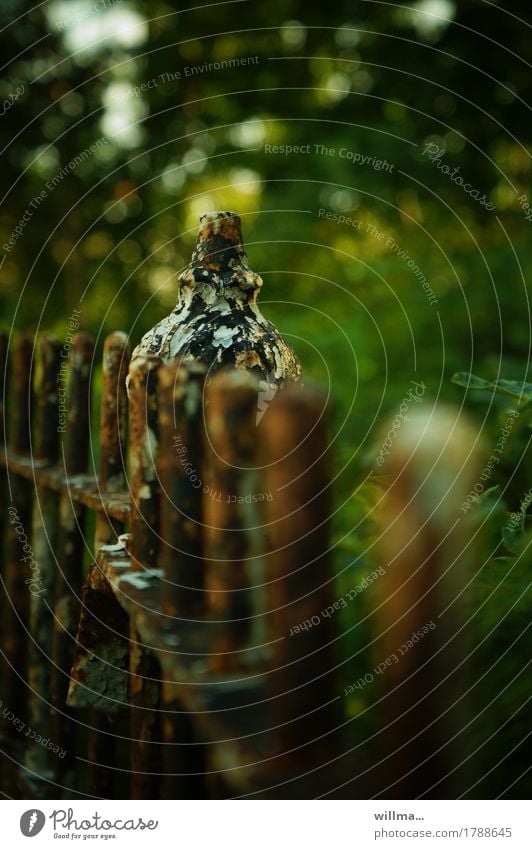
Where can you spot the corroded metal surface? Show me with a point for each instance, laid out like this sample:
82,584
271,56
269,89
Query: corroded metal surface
47,436
146,732
183,756
45,523
22,395
111,479
99,677
179,464
81,363
113,432
143,443
420,633
114,412
231,494
83,489
71,546
221,706
143,667
299,575
217,320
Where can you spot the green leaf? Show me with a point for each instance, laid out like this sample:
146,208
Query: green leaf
512,388
513,532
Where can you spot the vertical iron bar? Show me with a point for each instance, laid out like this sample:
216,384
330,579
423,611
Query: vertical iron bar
113,430
142,457
40,759
180,395
180,408
230,483
69,574
299,572
112,477
144,669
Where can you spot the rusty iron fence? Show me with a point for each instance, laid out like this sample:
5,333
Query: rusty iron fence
182,665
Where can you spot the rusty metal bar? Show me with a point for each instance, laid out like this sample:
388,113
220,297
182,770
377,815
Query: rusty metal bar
39,759
19,555
71,541
22,398
77,433
144,543
100,670
180,409
180,394
4,384
142,460
230,484
112,478
81,489
47,438
420,639
301,683
113,431
100,676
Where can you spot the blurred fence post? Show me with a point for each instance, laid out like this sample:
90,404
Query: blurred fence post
180,406
420,623
304,699
71,546
113,431
145,672
39,759
230,482
101,747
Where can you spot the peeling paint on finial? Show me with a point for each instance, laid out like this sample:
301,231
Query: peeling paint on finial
217,319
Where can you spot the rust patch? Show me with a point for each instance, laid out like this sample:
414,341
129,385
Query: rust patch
99,677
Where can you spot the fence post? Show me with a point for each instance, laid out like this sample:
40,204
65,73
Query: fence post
304,701
113,430
421,638
179,465
39,759
144,543
143,437
71,542
19,536
180,406
230,482
101,748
